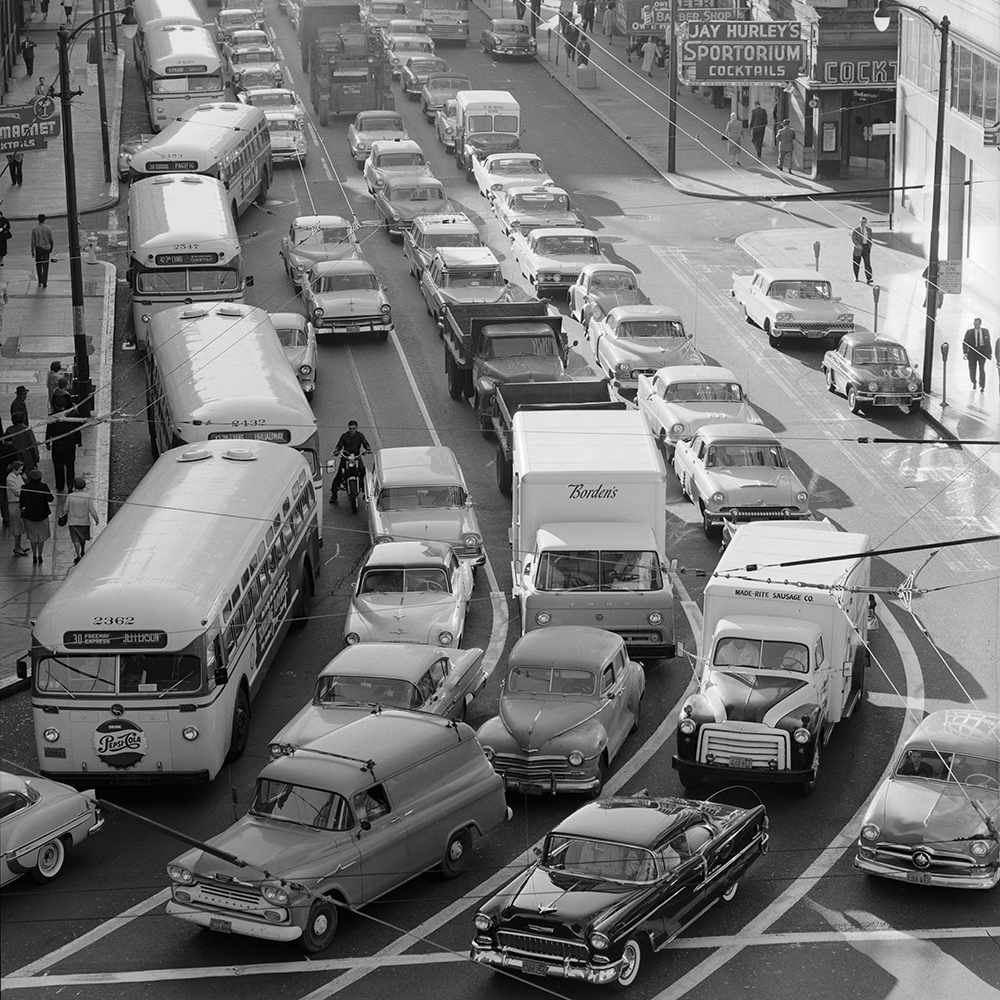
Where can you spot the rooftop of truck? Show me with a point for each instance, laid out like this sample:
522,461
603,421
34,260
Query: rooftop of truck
458,257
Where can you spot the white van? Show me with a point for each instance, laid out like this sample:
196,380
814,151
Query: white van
486,121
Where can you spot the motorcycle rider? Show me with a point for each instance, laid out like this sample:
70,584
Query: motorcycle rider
351,442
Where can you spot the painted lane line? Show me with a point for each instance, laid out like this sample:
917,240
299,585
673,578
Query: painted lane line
366,406
837,847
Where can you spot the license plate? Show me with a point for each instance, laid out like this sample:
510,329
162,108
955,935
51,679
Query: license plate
893,400
531,789
354,329
535,968
814,334
919,877
740,762
222,926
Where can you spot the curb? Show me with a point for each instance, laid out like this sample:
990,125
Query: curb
13,685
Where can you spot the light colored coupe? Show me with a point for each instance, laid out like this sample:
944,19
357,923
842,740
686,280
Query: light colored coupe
551,259
521,209
344,296
315,238
391,159
298,341
369,127
499,171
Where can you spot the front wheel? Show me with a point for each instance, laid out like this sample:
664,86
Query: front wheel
852,400
320,927
50,861
457,854
729,893
303,603
914,407
240,732
831,381
631,962
352,494
505,472
711,530
602,775
773,339
809,785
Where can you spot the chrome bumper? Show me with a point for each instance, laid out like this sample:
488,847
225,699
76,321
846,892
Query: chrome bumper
927,878
226,924
567,969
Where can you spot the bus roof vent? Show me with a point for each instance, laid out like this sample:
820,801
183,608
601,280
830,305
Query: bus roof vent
194,313
195,454
230,311
189,179
240,455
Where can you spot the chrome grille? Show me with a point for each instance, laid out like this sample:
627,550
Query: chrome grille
535,945
760,513
760,748
900,855
531,768
329,322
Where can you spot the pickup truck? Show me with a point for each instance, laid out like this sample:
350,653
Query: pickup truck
792,302
486,345
578,394
464,274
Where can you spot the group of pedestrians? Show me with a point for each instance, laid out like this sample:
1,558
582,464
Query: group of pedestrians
574,30
784,138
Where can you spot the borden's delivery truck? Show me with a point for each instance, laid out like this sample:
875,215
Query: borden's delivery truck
589,526
784,655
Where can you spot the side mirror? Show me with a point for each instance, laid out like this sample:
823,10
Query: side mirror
331,465
365,825
22,669
221,676
248,281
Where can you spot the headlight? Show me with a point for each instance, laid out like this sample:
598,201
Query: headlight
445,638
801,735
623,368
190,733
362,145
677,429
274,894
396,216
488,753
846,318
781,317
483,922
352,638
51,735
386,310
873,386
276,750
383,538
687,727
305,369
980,848
496,187
718,497
300,268
179,874
654,618
318,312
870,832
471,539
576,758
599,941
543,618
913,386
801,496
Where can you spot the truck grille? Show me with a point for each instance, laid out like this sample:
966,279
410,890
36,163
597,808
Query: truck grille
544,947
541,769
228,897
762,513
721,745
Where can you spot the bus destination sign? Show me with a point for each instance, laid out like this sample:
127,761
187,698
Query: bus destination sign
115,639
162,166
182,259
261,434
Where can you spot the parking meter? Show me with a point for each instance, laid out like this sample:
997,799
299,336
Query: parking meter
816,249
944,374
876,291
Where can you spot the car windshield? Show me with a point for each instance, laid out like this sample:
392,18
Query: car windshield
317,236
380,125
284,125
650,328
421,67
291,336
516,167
963,768
599,859
562,246
552,680
541,202
735,651
746,456
415,194
347,282
704,392
612,281
453,240
400,160
512,347
788,290
273,101
301,806
454,83
416,497
426,579
411,45
594,570
255,56
353,690
479,278
880,354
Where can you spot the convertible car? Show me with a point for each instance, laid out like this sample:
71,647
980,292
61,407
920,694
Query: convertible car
619,878
934,820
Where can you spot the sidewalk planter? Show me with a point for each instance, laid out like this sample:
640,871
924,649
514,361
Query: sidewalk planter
586,78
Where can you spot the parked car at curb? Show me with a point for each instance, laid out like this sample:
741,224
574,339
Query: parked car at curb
298,341
601,287
934,820
551,259
371,126
506,36
570,698
873,371
345,296
40,822
410,592
315,238
616,880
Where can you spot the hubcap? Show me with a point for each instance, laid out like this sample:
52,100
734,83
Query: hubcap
456,850
320,925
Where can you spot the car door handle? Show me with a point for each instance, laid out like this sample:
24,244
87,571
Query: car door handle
395,820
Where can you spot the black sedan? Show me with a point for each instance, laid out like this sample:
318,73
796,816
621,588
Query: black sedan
507,37
619,878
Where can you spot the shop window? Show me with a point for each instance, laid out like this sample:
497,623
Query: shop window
978,86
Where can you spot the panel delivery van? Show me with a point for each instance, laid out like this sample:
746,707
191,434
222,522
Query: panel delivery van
486,121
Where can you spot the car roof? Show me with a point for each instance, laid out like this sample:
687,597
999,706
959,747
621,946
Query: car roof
445,222
282,319
536,189
421,466
403,22
565,645
254,48
514,154
319,221
406,145
563,231
384,659
366,115
734,432
607,267
695,373
865,338
408,554
342,267
644,312
447,74
962,730
413,180
790,274
467,256
507,20
647,822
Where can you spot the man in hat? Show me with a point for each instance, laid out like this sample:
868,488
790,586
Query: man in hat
786,145
20,405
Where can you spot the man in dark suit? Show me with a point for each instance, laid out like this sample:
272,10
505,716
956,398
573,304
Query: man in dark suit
977,350
758,126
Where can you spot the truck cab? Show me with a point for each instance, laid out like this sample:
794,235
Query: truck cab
486,121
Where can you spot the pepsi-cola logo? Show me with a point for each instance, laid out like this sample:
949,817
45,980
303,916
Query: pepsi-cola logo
120,743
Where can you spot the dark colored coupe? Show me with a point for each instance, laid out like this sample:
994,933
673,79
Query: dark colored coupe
619,878
873,371
508,37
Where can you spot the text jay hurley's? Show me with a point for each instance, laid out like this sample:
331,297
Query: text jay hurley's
763,50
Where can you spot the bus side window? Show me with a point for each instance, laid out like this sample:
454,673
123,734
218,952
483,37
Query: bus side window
246,610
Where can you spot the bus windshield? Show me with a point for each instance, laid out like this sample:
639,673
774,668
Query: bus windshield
126,673
208,279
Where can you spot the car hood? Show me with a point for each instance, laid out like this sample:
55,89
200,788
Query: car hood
403,617
655,352
533,722
287,140
356,302
554,221
770,486
609,300
315,721
749,696
916,811
444,525
886,373
563,901
523,368
406,170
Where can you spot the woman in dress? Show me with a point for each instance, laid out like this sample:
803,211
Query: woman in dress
608,21
35,510
79,513
734,134
15,480
649,53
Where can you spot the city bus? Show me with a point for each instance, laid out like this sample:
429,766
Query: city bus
227,141
180,66
446,19
182,246
146,658
150,14
218,371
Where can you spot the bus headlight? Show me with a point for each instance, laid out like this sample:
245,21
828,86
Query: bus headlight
383,538
190,733
305,369
802,736
576,758
352,638
50,735
654,618
543,618
179,874
445,638
274,894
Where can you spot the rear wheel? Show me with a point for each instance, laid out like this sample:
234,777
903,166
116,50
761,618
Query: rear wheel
320,927
240,732
631,963
457,854
303,602
50,861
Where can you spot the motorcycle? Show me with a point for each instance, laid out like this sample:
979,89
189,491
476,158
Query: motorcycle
354,478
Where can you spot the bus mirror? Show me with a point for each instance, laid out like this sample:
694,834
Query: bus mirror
248,281
680,649
221,676
331,466
22,669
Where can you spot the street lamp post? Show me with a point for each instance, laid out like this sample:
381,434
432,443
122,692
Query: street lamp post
83,388
881,18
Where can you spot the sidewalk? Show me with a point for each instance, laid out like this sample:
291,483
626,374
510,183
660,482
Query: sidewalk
36,325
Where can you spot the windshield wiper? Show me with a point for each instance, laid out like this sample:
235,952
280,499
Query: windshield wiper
177,684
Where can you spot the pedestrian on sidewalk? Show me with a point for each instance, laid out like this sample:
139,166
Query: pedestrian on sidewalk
536,16
519,8
67,6
570,34
41,250
35,512
28,55
45,10
15,164
633,48
22,437
718,97
861,238
583,50
52,380
608,20
13,483
79,513
61,399
758,126
588,11
4,236
42,88
734,133
648,55
785,140
19,405
977,350
62,437
927,290
8,456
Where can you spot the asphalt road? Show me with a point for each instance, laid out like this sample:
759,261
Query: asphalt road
804,923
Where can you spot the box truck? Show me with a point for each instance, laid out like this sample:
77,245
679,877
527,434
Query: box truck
486,121
589,526
784,655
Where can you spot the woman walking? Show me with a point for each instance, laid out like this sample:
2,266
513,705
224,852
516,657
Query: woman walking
648,56
15,481
734,133
608,21
35,510
79,513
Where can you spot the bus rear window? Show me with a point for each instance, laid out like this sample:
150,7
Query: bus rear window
128,673
215,279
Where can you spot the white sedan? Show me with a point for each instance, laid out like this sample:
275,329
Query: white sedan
298,341
499,171
274,99
526,208
551,259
